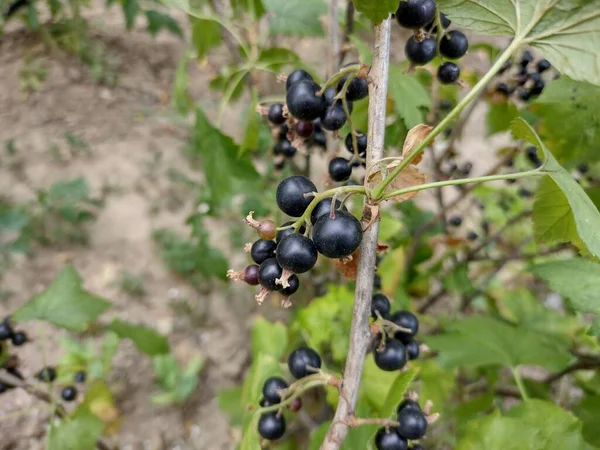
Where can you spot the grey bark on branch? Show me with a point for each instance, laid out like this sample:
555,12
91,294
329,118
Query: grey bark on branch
359,331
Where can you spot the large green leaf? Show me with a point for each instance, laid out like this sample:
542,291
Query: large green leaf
296,17
145,339
206,34
562,211
564,31
157,21
269,338
375,384
376,10
481,341
79,432
397,390
589,411
499,116
64,303
410,97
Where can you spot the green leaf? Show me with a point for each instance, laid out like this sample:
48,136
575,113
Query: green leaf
276,58
229,401
157,21
376,10
253,124
206,34
177,383
588,412
296,17
564,31
410,97
130,10
79,432
396,391
481,341
254,7
222,164
375,384
181,98
500,115
562,211
64,303
145,339
269,338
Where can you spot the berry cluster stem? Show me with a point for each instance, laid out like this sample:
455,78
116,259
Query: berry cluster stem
335,79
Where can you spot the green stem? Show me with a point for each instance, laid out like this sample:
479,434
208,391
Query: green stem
354,68
378,191
520,384
291,398
506,176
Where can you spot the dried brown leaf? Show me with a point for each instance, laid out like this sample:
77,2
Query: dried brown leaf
414,137
348,267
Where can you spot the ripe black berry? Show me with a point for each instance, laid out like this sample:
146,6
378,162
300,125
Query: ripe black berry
526,58
275,114
420,53
408,404
324,207
357,89
80,377
69,393
377,281
381,304
448,73
296,253
525,193
285,148
537,88
390,440
304,128
303,102
502,88
290,195
319,138
413,424
392,357
47,375
543,65
334,116
302,361
472,236
408,320
295,76
532,156
271,387
251,275
454,44
432,27
18,338
412,350
271,426
283,233
466,168
268,272
415,14
337,237
525,96
455,221
583,168
262,250
294,284
339,169
6,331
361,142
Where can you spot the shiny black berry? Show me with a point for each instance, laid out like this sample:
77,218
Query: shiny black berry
319,138
472,236
454,44
407,403
381,304
334,116
268,272
361,142
69,393
413,424
251,275
296,253
420,53
408,320
532,156
357,89
338,236
293,285
537,88
302,361
455,221
543,65
18,338
390,440
46,375
290,195
304,128
415,14
295,76
412,350
340,169
271,389
502,88
448,73
271,426
432,27
262,250
275,114
324,207
392,356
285,148
583,168
80,376
6,331
283,233
303,102
526,58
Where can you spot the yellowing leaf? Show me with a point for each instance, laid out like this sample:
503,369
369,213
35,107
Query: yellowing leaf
414,137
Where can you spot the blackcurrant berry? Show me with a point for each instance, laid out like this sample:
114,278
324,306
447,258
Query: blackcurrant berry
543,65
324,207
15,372
268,272
303,361
532,156
285,148
290,195
319,138
338,236
46,375
412,350
392,356
455,221
534,76
537,88
6,331
251,275
18,338
262,250
583,168
296,253
448,73
4,387
526,58
390,440
407,403
377,281
264,403
303,102
295,76
329,96
420,53
454,45
507,65
283,233
408,320
357,89
361,142
283,131
271,387
472,236
432,27
304,128
417,447
466,168
415,14
294,284
340,169
525,193
69,393
381,304
334,116
80,376
502,88
413,424
267,229
271,426
525,95
275,114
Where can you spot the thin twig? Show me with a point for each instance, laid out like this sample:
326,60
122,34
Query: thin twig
347,31
582,364
359,333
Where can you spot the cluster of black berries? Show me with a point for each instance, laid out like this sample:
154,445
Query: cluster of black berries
524,78
393,352
302,362
421,16
68,393
340,168
336,234
412,425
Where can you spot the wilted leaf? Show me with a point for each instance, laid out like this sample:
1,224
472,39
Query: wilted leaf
415,136
409,177
348,267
